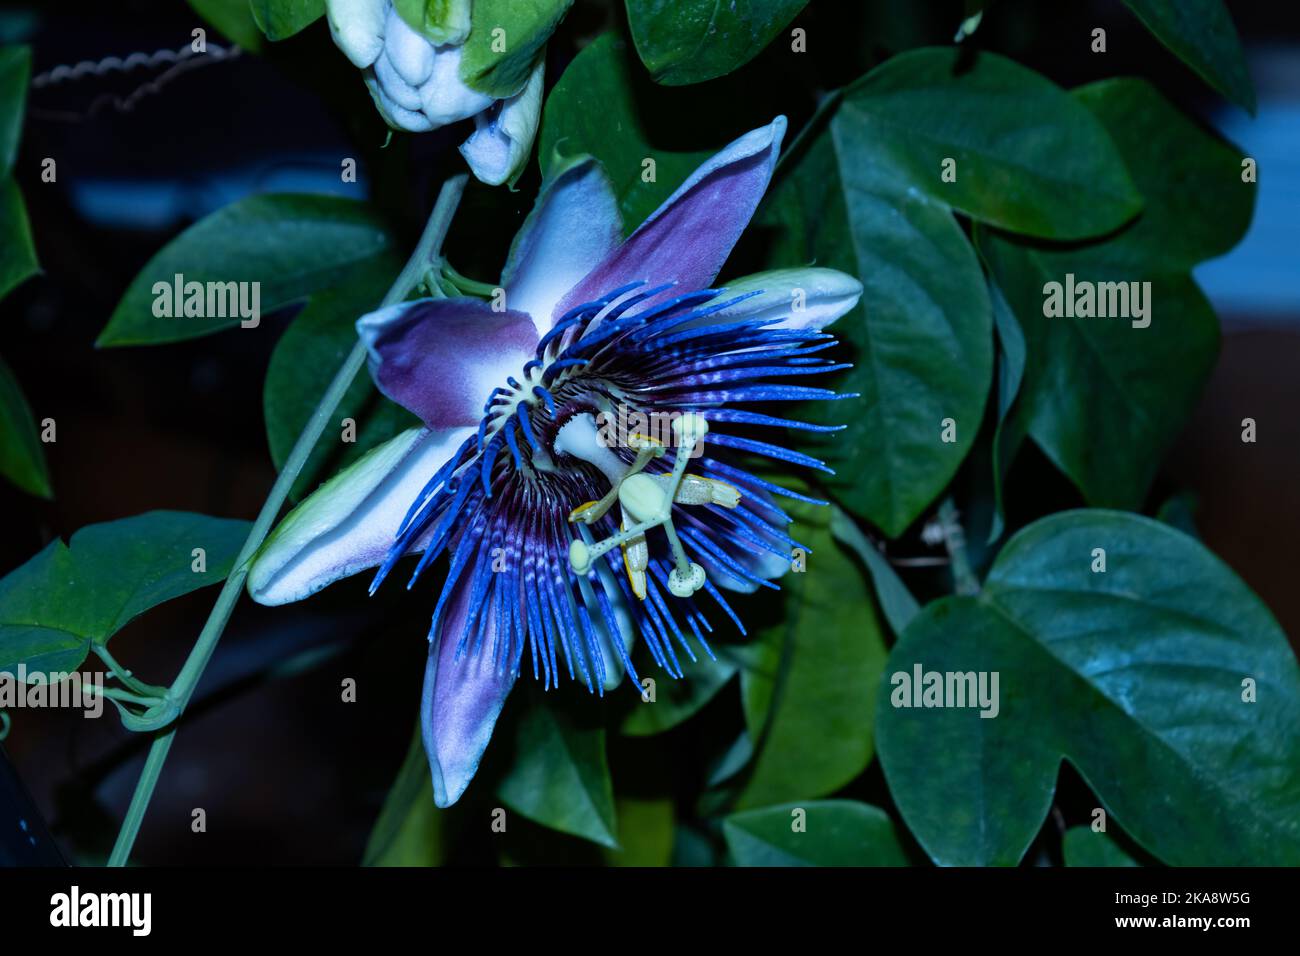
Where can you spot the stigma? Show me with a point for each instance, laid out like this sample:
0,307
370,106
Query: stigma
645,500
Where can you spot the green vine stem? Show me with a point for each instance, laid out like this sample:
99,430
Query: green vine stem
163,719
954,539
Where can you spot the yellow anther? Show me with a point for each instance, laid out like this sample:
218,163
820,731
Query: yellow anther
577,514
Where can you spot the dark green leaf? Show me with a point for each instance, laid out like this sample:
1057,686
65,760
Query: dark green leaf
646,826
281,19
293,245
53,607
22,460
1082,846
677,700
15,70
922,334
809,701
1201,34
835,833
688,41
234,18
595,95
560,777
409,831
894,597
302,365
17,251
1137,675
1011,372
1028,156
505,39
1103,399
1196,206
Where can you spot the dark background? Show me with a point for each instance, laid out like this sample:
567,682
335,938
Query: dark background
286,772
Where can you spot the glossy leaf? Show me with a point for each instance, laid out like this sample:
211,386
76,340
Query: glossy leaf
1025,155
920,339
835,833
1082,846
304,361
1201,34
596,94
22,460
560,777
281,19
17,250
895,599
677,700
1105,399
689,41
409,831
293,245
234,18
15,71
505,39
53,607
810,699
1137,675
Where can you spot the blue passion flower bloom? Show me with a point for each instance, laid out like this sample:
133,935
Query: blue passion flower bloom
573,465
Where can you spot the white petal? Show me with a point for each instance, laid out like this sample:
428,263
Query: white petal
410,53
348,524
357,27
574,225
397,89
499,146
793,298
445,96
394,115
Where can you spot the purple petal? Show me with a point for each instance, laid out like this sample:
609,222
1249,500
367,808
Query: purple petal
572,228
441,358
688,238
461,702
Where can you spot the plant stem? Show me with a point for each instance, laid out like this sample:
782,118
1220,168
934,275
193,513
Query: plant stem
954,539
426,250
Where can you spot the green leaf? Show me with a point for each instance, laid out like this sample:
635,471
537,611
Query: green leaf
1196,206
409,831
15,71
1028,156
677,700
438,21
836,833
17,250
597,94
1081,846
921,336
53,607
809,703
293,245
505,39
1011,372
22,460
1136,675
234,18
302,365
689,41
560,777
1201,34
1104,400
647,828
894,597
281,19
